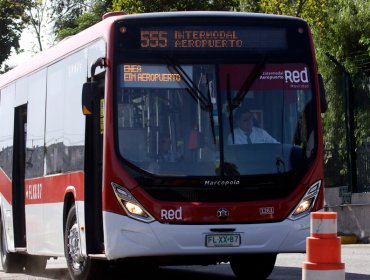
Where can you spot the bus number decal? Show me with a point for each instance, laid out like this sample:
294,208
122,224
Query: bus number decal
267,211
34,191
153,39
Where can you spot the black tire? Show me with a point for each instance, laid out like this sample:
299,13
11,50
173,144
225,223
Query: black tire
11,262
79,267
253,266
35,264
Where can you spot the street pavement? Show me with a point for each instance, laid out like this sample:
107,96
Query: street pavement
356,258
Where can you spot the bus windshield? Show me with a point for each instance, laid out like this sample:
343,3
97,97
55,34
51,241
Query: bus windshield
215,119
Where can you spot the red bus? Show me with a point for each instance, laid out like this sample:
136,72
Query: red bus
163,139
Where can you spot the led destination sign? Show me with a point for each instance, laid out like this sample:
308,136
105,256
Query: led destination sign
153,76
212,38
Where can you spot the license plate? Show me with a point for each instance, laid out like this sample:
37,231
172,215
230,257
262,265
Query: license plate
223,240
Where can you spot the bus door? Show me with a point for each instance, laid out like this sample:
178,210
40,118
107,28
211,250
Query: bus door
18,189
93,171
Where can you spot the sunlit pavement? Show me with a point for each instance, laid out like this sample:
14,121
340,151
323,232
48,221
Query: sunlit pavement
356,258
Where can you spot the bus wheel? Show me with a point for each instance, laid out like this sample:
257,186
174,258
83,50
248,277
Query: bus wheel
35,264
11,262
253,266
79,267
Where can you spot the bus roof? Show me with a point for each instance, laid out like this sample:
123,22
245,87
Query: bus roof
179,14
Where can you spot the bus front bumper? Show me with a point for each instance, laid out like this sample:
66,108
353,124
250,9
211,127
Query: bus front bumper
125,237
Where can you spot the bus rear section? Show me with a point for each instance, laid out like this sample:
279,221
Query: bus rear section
183,184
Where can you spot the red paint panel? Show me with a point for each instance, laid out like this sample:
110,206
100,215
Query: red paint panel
52,189
5,186
48,189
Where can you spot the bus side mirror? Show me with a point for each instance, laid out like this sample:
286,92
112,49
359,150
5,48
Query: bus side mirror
323,101
89,91
90,88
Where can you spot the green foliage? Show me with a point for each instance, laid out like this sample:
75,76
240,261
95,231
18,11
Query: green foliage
73,16
315,12
251,6
147,6
84,21
347,39
12,21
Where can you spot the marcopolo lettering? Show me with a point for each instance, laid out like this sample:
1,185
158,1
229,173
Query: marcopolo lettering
221,183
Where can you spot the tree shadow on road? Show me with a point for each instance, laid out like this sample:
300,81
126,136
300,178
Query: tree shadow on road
293,273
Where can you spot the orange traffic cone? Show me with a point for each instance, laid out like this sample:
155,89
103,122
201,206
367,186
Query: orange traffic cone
323,249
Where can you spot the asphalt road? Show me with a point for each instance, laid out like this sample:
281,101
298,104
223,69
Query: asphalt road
288,267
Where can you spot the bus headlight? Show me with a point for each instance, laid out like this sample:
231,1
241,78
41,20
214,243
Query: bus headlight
130,205
307,202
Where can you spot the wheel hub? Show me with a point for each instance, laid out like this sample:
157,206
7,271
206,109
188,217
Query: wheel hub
74,246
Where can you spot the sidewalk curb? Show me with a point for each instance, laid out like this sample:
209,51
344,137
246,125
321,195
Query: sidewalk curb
348,239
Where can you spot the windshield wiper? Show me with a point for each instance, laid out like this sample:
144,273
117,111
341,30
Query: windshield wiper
231,118
196,94
191,88
247,84
210,111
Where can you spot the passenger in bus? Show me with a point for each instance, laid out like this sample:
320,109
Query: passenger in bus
248,132
166,152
